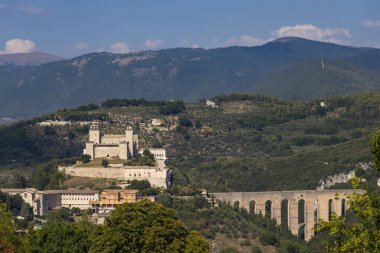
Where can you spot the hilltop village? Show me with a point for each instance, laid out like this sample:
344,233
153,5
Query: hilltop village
105,156
116,151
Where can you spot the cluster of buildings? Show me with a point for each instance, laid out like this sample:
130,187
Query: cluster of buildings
120,147
94,200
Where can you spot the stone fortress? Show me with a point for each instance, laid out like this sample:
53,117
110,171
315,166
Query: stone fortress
123,147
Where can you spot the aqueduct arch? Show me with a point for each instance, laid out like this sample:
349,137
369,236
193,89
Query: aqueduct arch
317,204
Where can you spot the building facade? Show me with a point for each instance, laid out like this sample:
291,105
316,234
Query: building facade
159,153
79,198
40,201
111,198
121,146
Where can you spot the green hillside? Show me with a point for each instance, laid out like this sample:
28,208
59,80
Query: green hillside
179,73
314,79
250,143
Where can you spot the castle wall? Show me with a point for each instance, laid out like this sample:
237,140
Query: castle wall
123,150
156,177
112,139
89,150
106,151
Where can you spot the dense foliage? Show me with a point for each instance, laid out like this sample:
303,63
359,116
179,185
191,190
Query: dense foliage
139,227
362,234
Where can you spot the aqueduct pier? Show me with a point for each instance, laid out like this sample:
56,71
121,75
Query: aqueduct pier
300,209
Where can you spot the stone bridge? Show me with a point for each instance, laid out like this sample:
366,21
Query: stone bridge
299,210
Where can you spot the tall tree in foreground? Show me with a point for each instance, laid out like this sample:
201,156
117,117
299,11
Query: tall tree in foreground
7,234
146,227
363,235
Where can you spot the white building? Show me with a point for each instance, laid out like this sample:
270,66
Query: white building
54,123
211,104
156,122
122,146
159,153
79,198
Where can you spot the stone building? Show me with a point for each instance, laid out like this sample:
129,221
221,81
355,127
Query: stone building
122,146
159,153
40,201
111,198
79,198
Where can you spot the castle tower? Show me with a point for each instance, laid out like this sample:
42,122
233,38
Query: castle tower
129,139
94,133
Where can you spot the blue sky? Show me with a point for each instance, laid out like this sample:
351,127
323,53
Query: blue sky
73,27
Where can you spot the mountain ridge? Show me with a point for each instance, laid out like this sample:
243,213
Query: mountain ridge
28,59
177,73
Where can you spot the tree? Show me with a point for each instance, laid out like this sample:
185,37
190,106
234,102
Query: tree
8,239
147,154
85,158
363,235
19,181
146,227
185,122
61,214
55,237
139,185
105,163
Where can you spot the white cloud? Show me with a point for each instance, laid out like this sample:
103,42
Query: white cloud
307,31
119,48
81,46
18,46
31,10
244,40
153,43
371,23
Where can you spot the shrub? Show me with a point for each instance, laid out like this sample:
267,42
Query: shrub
85,158
105,163
269,238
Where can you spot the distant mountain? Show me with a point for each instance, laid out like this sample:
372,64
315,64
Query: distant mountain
368,59
179,73
31,59
317,79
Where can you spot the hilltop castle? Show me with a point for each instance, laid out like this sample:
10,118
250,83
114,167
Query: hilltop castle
122,146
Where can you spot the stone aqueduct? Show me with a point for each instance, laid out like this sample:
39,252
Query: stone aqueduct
300,210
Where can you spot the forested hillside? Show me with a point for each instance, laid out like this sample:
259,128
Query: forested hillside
249,143
317,79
